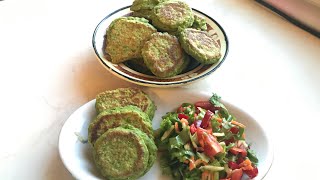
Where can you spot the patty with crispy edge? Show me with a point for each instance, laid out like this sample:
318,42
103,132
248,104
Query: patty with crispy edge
125,96
138,5
200,45
164,56
171,15
117,117
120,153
126,36
152,148
143,8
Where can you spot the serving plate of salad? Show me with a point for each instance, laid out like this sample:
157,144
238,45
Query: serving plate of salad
199,136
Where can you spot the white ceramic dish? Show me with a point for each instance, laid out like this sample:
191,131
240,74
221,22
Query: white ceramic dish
77,156
193,73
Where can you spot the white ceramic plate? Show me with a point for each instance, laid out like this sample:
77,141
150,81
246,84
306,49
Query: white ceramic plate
77,156
194,72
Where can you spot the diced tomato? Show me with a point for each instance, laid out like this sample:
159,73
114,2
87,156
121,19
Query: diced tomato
244,153
233,165
236,151
208,142
225,179
236,174
240,160
209,131
231,140
206,119
206,105
200,133
193,129
211,146
252,173
234,130
180,116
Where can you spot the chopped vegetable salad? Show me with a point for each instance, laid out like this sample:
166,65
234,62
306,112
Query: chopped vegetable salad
204,141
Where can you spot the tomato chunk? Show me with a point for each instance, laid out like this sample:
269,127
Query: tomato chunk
232,165
252,173
236,174
211,146
193,129
206,105
180,116
240,160
206,119
236,151
234,130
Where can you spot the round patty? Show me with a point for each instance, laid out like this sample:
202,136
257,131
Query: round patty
171,15
200,45
126,36
164,56
125,96
121,153
117,117
138,5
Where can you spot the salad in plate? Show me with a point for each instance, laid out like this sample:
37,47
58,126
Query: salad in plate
204,141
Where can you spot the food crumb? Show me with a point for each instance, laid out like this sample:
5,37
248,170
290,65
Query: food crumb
81,138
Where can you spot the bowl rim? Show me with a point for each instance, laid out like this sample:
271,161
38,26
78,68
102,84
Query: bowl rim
156,83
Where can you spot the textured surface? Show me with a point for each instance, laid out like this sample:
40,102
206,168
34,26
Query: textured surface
200,45
121,153
170,15
116,117
125,96
163,55
126,36
152,148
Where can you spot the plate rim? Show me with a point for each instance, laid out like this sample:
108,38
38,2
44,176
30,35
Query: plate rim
269,156
155,83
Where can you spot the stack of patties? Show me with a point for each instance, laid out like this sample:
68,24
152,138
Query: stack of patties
135,40
122,134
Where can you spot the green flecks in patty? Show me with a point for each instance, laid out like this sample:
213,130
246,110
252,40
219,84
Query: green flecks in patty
200,45
117,117
125,96
143,13
164,56
170,15
121,153
152,148
138,5
126,36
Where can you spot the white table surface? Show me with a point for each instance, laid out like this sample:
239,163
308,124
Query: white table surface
48,69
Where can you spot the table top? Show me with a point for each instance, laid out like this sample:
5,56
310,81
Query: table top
48,69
